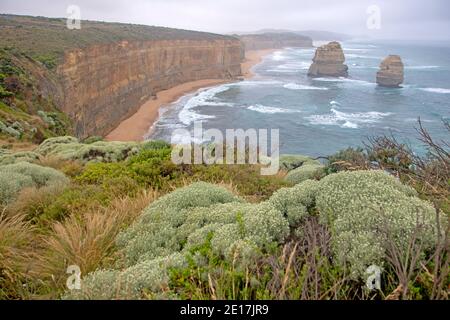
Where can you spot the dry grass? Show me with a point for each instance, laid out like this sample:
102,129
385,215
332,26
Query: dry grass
16,235
87,240
31,201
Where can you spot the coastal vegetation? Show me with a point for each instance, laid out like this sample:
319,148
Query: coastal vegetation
140,227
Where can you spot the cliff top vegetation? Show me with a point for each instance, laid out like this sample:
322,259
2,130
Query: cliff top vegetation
46,39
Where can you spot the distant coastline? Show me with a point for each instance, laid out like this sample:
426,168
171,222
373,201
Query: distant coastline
136,127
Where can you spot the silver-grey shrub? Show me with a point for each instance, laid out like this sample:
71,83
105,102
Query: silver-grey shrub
173,226
21,156
360,207
70,148
15,177
303,173
11,184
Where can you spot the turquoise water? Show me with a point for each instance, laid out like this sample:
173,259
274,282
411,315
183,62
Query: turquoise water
318,117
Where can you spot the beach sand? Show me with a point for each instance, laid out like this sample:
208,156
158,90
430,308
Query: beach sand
138,125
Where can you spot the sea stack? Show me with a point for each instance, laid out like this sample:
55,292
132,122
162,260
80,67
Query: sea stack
329,61
391,72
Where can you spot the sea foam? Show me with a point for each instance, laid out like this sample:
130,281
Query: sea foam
436,90
295,86
346,120
270,110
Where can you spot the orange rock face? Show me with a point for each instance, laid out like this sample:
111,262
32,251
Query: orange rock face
105,84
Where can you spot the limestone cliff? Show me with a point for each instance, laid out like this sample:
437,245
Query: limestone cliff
329,61
275,41
391,73
105,84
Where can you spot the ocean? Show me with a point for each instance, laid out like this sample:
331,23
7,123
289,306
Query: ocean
318,117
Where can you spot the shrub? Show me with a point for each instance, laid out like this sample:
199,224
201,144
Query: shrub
10,185
41,176
348,159
48,146
68,148
155,145
295,203
22,156
358,206
305,172
92,139
290,162
171,229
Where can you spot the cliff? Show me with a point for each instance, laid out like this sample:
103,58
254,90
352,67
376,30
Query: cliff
122,76
275,41
391,73
105,71
329,61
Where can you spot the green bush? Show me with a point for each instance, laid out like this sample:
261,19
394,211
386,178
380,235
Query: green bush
10,185
361,206
155,145
295,203
48,146
41,176
21,156
305,172
69,148
290,162
92,139
16,177
343,159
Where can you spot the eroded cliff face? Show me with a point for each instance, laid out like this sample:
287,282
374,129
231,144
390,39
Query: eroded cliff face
105,84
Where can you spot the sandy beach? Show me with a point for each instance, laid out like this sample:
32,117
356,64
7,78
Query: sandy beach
138,125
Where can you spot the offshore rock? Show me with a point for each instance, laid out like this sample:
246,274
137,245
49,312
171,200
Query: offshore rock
391,72
329,61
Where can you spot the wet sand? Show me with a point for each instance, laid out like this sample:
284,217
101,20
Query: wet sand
138,125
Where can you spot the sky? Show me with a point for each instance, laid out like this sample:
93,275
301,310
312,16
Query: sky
387,19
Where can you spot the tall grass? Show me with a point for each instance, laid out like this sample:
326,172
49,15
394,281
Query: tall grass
88,239
16,236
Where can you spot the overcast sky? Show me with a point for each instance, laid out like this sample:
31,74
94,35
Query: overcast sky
400,19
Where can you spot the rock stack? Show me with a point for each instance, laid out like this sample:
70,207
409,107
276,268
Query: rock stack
329,62
391,72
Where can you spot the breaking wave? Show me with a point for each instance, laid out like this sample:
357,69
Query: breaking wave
295,86
346,120
270,110
436,90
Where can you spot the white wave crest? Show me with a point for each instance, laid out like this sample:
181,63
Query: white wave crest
295,86
202,98
348,80
278,56
436,90
346,120
421,67
270,110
